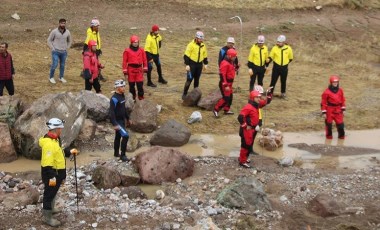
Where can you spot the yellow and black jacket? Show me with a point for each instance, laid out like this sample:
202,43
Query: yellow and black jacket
195,53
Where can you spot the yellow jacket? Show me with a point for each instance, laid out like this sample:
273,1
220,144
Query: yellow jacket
52,153
196,52
281,55
258,55
93,35
152,43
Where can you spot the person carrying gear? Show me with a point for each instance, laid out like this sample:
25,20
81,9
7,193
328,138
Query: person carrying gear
93,34
249,124
281,55
134,65
119,117
258,62
53,168
7,70
333,106
227,74
152,47
223,52
91,66
195,59
268,98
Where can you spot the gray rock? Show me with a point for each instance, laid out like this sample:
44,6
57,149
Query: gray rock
7,150
324,205
97,105
171,134
10,108
210,100
87,131
105,176
192,98
144,117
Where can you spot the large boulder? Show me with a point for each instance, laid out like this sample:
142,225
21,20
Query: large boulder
88,130
10,108
7,150
27,196
192,98
144,116
31,125
210,100
105,176
97,105
160,164
171,134
324,205
245,193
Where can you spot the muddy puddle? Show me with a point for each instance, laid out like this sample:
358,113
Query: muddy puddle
229,145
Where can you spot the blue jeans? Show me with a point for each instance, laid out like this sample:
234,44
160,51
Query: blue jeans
55,56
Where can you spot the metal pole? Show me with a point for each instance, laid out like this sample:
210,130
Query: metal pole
76,180
241,47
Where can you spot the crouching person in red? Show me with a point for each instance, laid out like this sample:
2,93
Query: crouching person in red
53,168
134,67
333,106
227,74
249,125
91,66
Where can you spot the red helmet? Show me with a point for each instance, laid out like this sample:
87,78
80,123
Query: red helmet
155,28
134,38
232,53
92,43
334,78
254,94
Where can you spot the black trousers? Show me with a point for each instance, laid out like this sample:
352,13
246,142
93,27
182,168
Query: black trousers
140,89
282,72
51,191
258,72
196,71
117,143
95,84
8,85
156,60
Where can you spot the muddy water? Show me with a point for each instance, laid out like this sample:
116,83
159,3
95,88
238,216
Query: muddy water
229,145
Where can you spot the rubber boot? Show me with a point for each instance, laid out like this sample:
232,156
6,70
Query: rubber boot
48,218
149,78
53,208
341,133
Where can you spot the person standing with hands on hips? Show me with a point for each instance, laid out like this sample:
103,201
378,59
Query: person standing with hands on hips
118,116
195,60
53,168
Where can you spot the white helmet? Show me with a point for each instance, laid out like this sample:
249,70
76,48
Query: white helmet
199,35
259,88
95,22
281,38
194,117
55,123
231,40
119,83
261,39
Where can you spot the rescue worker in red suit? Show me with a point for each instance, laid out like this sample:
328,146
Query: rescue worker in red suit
91,67
249,125
227,72
333,106
134,66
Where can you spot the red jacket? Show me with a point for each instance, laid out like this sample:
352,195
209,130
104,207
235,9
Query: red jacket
249,114
227,72
6,67
333,99
134,58
91,63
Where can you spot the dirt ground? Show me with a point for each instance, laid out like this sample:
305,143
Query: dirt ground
338,39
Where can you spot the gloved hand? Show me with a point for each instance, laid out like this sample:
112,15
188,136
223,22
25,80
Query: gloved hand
250,71
187,68
74,151
52,182
205,67
257,128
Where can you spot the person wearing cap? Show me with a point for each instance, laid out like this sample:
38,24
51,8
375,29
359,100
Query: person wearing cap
134,66
93,34
152,48
195,59
53,167
333,106
281,55
257,62
7,70
227,73
119,117
59,42
223,51
91,67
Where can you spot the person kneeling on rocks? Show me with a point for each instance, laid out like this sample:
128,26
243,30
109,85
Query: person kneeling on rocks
53,168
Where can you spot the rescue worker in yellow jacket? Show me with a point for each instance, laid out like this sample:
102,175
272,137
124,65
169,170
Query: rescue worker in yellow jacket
257,62
281,55
53,168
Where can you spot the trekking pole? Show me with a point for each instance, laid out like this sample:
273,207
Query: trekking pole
76,180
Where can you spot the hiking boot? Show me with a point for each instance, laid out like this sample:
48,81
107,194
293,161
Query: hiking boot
48,218
162,81
151,84
116,154
215,113
248,161
62,80
124,158
245,165
283,96
229,112
52,81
